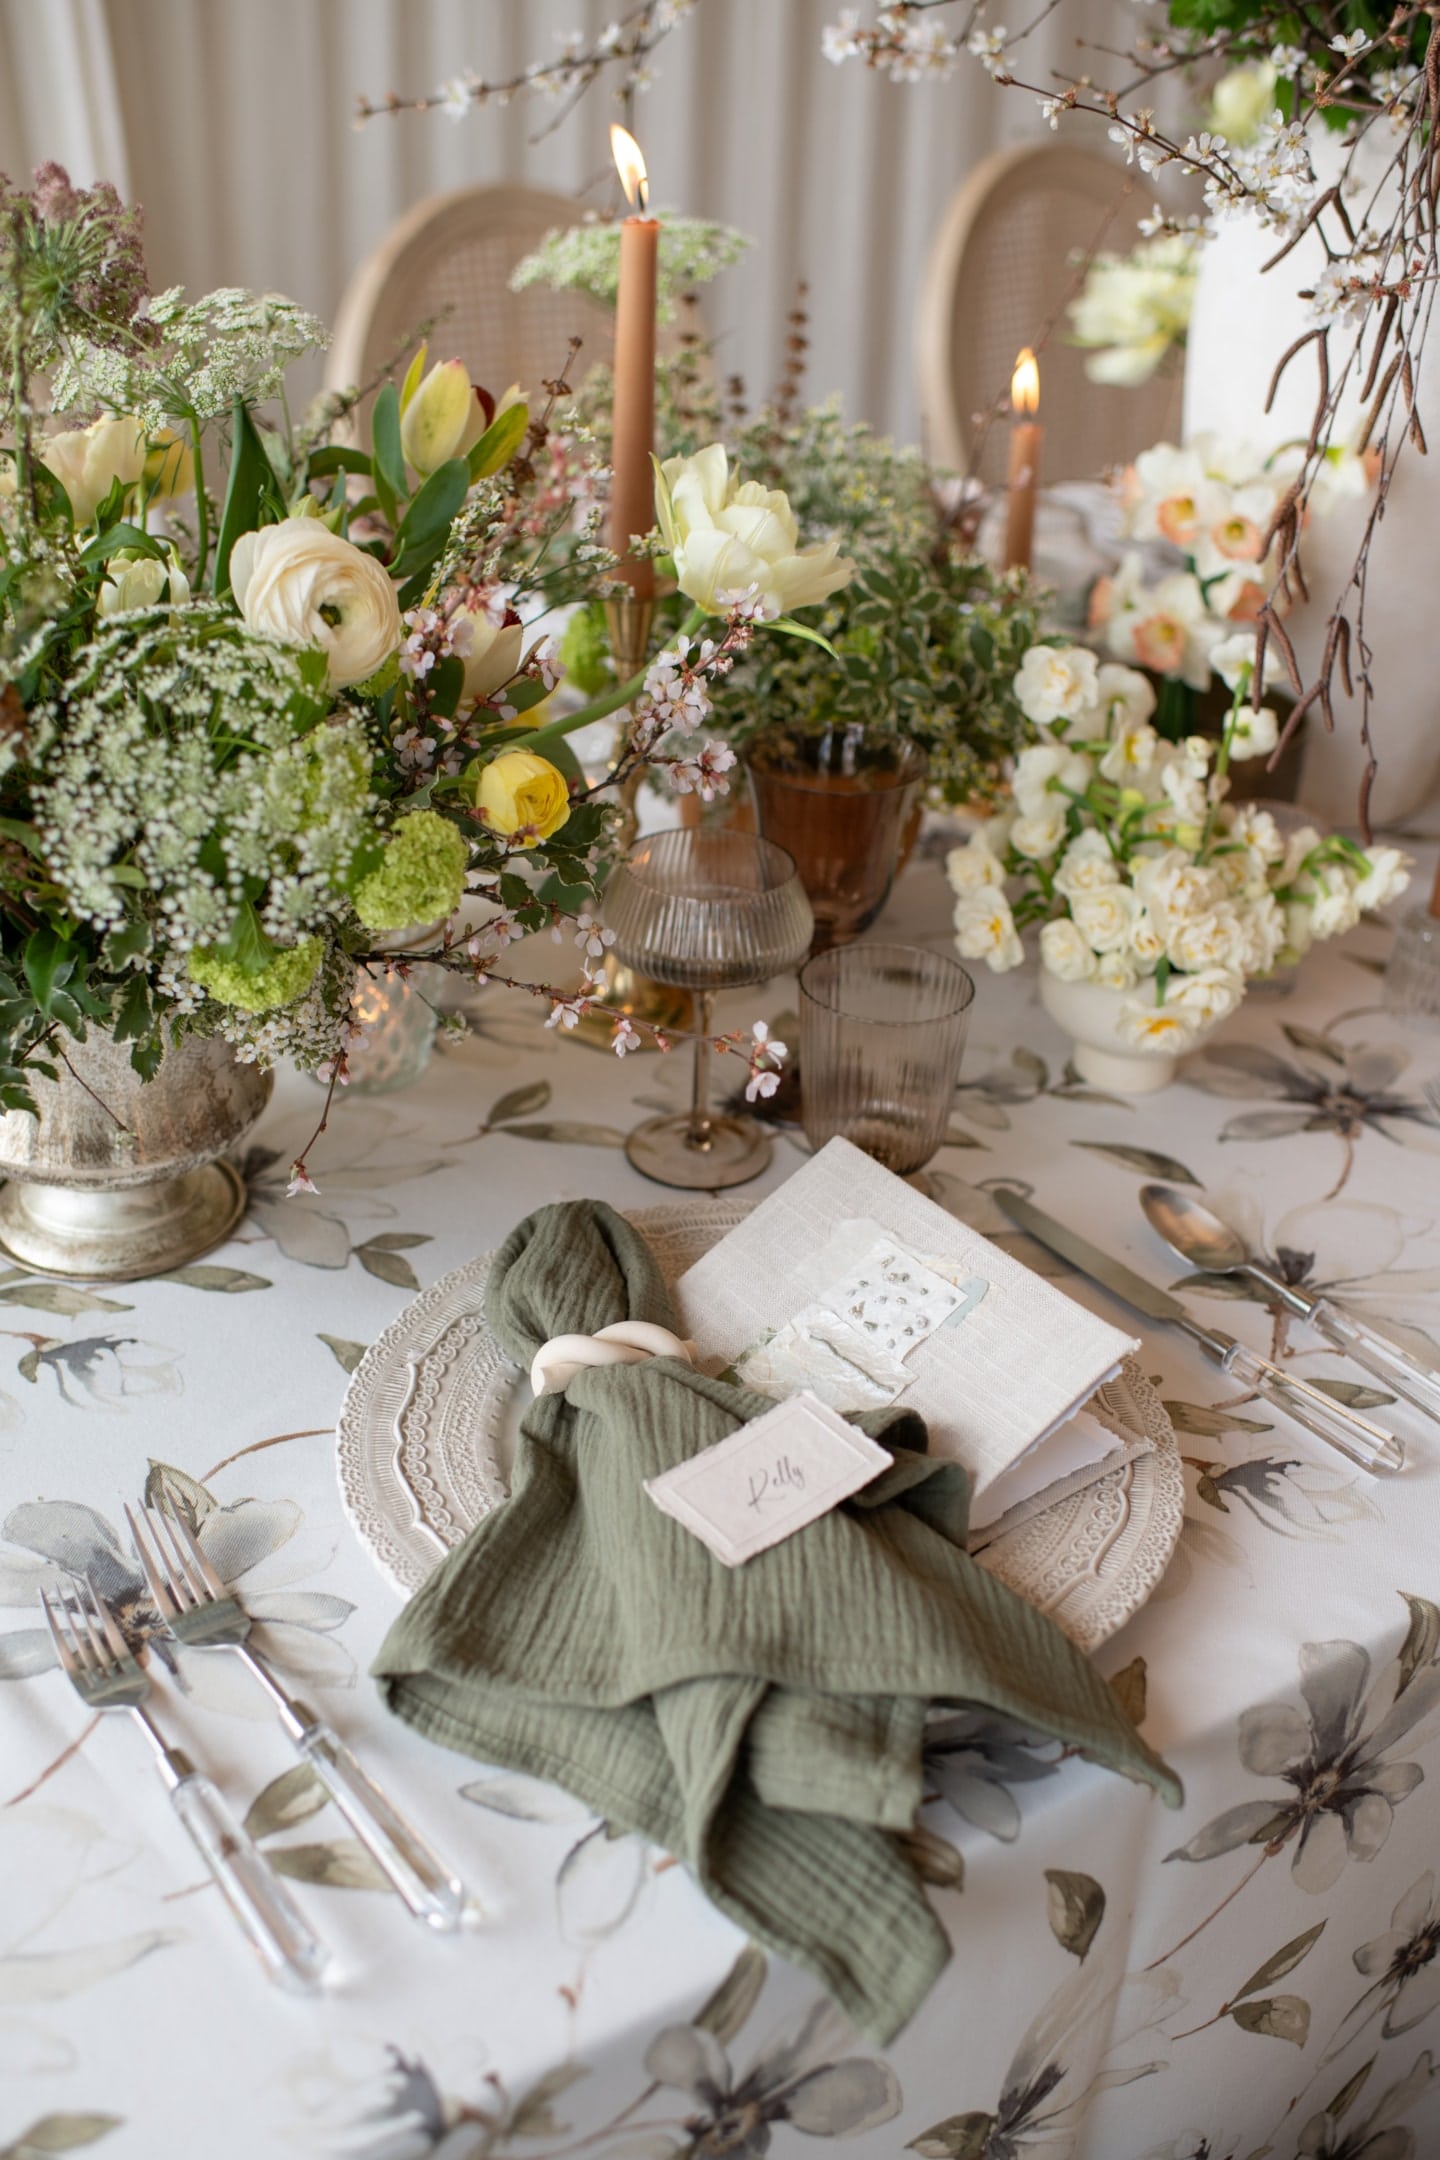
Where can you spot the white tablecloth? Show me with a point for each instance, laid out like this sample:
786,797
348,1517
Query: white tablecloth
1127,1982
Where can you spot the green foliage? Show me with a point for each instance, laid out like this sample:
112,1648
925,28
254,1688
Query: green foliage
585,258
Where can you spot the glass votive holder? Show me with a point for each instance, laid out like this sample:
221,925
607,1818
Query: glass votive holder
396,1013
882,1031
1412,975
843,802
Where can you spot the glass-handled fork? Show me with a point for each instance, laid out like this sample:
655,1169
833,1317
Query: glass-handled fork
199,1611
105,1675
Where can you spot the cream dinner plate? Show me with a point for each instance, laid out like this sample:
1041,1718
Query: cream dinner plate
427,1436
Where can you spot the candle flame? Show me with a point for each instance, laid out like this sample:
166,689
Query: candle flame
1025,383
630,165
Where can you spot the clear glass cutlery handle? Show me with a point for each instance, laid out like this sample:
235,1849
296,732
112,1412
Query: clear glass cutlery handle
292,1954
1389,1361
1368,1445
421,1877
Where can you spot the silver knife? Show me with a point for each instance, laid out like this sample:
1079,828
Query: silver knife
1368,1445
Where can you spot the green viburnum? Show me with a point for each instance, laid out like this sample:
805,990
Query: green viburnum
281,980
585,258
421,878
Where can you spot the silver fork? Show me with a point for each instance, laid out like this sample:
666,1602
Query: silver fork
199,1611
106,1676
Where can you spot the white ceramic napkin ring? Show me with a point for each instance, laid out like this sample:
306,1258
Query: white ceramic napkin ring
627,1342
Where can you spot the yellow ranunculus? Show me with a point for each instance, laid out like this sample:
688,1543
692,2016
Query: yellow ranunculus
728,535
523,796
86,460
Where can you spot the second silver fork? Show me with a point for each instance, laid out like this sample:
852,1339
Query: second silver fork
199,1612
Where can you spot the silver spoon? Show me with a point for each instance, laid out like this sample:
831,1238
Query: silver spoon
1206,1242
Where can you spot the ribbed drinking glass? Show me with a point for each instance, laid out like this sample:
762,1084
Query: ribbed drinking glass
706,909
882,1030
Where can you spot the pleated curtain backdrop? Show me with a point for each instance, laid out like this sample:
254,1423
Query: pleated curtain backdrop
234,126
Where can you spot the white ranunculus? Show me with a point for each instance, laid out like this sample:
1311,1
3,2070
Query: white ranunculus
1104,917
1386,878
1086,865
985,930
87,460
1039,836
1206,996
1055,682
727,535
303,585
974,866
1065,952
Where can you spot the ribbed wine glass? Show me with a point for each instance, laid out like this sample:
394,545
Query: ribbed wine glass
706,909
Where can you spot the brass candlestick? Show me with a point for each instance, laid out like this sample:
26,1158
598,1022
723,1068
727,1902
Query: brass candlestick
627,994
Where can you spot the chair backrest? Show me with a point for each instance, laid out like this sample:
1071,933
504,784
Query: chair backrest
452,256
1003,266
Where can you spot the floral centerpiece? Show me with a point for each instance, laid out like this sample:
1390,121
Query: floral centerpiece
1214,507
250,731
1156,899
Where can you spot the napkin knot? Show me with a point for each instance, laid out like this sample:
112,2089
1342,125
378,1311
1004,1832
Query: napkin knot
626,1342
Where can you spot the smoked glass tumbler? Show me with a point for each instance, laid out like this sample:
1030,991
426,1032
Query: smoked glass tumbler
706,909
882,1029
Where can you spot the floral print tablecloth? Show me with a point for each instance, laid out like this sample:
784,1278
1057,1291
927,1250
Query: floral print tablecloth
1258,1975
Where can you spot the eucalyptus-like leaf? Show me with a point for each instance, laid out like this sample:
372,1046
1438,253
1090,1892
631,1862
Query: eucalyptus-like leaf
338,1864
1275,2017
569,1132
521,1101
231,1280
1284,1961
347,1354
1422,1639
291,1798
61,2133
1209,1422
1075,1907
1148,1162
732,2002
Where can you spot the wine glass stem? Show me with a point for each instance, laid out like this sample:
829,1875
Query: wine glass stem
699,1133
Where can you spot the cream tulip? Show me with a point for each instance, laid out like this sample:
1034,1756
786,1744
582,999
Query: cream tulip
87,461
444,417
491,654
728,537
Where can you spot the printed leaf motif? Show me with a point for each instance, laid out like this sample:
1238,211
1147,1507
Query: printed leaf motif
390,1267
229,1279
61,2133
534,2117
1210,1423
67,1299
956,1137
1354,1394
167,1487
1130,1687
1075,1907
1303,1038
520,1102
340,1864
1265,1124
599,1883
934,1859
1422,1640
398,1240
1276,2017
959,2137
346,1354
1147,1161
569,1133
525,1799
735,1998
1349,2092
36,1976
1284,1961
288,1799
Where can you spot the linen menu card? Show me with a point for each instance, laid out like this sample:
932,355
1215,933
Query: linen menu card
850,1284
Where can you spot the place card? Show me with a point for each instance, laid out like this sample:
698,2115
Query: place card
769,1479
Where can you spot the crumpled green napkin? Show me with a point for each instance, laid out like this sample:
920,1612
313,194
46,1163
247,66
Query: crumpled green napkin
765,1722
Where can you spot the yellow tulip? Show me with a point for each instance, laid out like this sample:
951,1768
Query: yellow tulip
86,460
442,418
523,796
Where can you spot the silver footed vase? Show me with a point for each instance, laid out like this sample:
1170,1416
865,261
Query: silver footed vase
121,1177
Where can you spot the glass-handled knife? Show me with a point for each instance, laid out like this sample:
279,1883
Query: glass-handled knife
1356,1437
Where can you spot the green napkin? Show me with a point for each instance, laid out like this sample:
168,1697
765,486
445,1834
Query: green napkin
764,1723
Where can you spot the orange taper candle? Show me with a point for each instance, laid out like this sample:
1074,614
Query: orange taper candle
632,488
1024,461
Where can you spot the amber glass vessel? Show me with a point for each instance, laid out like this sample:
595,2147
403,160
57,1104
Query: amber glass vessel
840,802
